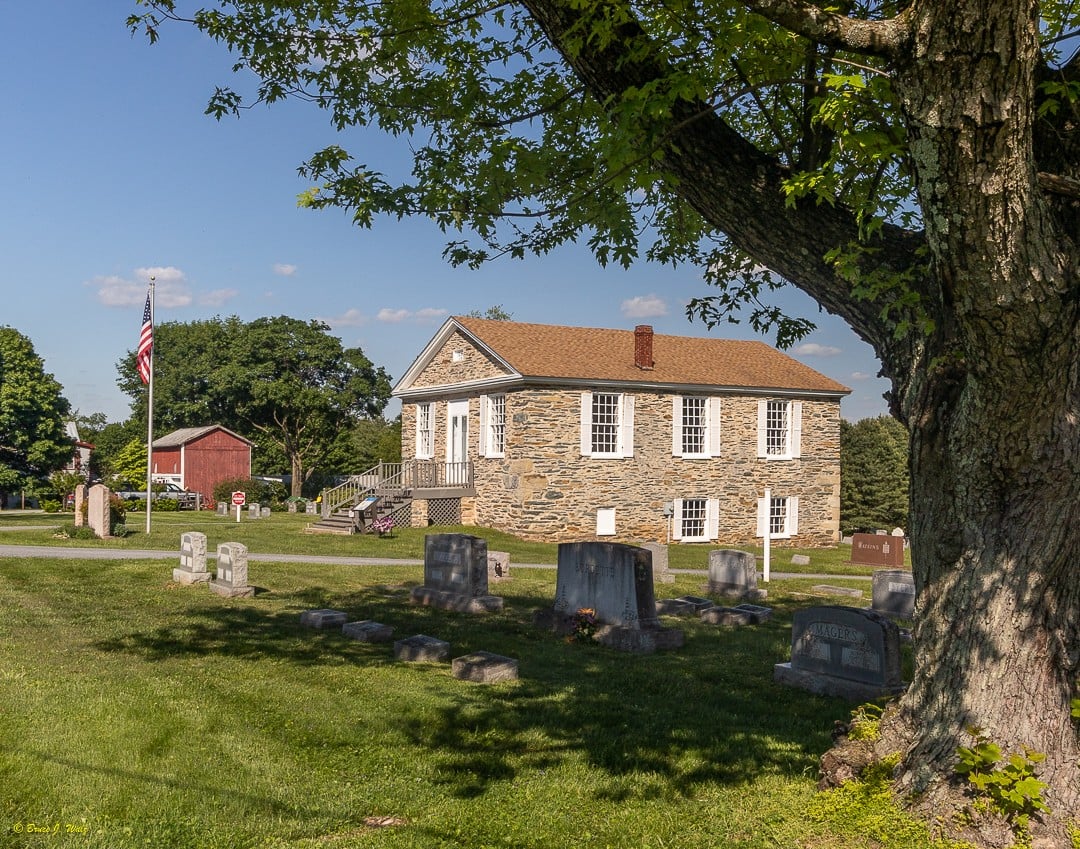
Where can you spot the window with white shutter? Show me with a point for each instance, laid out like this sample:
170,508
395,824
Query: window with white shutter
607,424
779,429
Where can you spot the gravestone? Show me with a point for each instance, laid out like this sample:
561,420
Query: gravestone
742,614
456,575
97,514
660,571
877,550
831,589
687,605
893,592
311,508
368,631
323,619
800,560
733,573
422,649
498,566
80,503
254,511
484,667
615,581
222,508
847,652
232,571
264,513
192,559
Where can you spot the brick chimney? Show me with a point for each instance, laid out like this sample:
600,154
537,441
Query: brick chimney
643,358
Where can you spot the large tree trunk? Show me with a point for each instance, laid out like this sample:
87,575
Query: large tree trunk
993,405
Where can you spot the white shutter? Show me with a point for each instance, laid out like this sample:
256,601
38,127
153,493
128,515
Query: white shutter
793,516
626,431
484,440
712,518
796,428
676,519
762,517
417,451
713,444
676,425
586,424
762,418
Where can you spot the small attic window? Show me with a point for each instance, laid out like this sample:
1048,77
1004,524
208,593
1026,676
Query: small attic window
457,357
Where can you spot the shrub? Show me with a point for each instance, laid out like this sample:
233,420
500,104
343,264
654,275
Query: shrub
267,493
49,505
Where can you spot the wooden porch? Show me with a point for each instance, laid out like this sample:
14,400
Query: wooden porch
354,505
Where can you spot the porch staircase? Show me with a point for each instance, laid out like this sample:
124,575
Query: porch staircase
391,485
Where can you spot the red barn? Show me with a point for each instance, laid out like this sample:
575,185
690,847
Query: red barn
197,458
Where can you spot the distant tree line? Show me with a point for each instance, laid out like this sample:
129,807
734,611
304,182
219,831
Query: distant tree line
873,474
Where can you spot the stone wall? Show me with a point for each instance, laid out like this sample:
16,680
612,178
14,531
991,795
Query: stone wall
544,489
456,362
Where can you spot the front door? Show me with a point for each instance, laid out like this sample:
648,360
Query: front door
457,442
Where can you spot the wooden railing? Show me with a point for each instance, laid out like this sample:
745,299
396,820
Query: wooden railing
397,479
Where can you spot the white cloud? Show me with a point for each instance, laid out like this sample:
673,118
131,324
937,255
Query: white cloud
860,375
644,306
217,297
430,314
392,316
285,269
421,316
170,288
812,349
350,318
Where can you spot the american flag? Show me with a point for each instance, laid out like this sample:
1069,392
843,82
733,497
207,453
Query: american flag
146,342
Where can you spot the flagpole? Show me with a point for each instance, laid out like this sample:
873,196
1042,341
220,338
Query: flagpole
150,417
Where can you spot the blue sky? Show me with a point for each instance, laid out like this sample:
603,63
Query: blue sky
112,173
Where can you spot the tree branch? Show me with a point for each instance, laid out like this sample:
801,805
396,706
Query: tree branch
734,186
885,38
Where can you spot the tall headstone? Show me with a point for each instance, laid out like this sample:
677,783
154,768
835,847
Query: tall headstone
661,573
849,652
97,514
80,505
231,580
456,574
894,592
615,582
733,573
192,559
877,550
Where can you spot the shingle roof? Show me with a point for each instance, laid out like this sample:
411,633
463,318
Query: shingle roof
184,435
587,353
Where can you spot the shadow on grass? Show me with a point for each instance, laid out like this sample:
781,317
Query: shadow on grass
653,726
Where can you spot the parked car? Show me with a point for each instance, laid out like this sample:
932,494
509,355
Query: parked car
184,500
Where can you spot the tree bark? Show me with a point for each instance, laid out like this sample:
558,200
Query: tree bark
991,395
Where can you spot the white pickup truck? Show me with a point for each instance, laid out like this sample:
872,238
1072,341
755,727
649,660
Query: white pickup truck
184,500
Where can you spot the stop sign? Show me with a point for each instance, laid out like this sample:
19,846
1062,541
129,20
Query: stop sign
239,498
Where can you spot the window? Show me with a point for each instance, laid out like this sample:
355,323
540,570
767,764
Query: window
779,429
607,424
695,519
605,522
695,430
425,432
493,425
693,426
780,515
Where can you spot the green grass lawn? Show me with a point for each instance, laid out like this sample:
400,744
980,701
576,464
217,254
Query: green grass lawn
139,713
282,533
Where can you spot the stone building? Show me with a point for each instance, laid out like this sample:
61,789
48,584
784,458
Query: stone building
571,433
